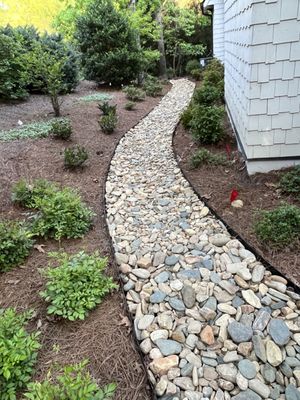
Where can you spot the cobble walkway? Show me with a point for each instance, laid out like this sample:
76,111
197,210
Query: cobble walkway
212,321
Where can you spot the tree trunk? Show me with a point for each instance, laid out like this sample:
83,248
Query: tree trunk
55,105
161,46
138,41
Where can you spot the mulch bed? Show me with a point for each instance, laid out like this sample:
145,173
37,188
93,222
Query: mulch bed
258,192
104,337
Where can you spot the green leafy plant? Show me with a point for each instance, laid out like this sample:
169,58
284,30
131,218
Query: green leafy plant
70,382
106,108
129,106
290,182
95,97
75,157
279,227
204,156
196,74
187,116
15,244
152,86
207,95
25,193
77,285
18,353
214,73
207,124
61,128
134,93
108,123
29,131
192,65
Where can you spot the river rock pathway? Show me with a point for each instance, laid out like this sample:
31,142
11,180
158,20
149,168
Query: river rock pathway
211,320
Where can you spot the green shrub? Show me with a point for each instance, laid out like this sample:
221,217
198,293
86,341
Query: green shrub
29,131
192,65
106,108
15,244
204,156
108,123
196,74
77,285
18,353
129,106
61,128
25,194
75,156
279,227
290,182
152,86
108,44
207,124
187,116
207,95
71,382
134,93
62,215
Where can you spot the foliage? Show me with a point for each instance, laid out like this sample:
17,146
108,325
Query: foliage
95,97
109,49
290,182
75,156
129,106
29,131
108,122
61,213
106,108
77,285
15,244
12,70
207,124
18,353
204,156
207,95
279,227
187,116
213,73
152,86
196,74
71,382
61,128
191,65
134,93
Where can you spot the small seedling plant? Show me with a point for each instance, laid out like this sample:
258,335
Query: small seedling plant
75,157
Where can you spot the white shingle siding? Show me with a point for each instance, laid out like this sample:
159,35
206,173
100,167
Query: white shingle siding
262,75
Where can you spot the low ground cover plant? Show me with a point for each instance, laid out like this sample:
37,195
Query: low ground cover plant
279,227
152,86
33,130
204,156
134,93
77,285
290,182
60,212
206,125
75,157
61,128
95,97
129,106
108,123
69,382
15,244
106,108
18,353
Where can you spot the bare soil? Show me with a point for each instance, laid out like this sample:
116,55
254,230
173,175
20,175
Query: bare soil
258,192
104,337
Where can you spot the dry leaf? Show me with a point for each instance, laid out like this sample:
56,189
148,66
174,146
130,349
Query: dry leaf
13,282
124,321
39,248
270,185
39,324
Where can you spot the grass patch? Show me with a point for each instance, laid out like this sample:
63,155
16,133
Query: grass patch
30,131
95,97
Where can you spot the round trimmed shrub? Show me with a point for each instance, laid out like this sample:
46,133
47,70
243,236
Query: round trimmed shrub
207,124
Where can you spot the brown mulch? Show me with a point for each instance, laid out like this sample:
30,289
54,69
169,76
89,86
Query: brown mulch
258,192
104,337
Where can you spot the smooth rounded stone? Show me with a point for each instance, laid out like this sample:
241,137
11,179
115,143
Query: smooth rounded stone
207,313
161,366
241,381
207,335
293,362
178,249
228,372
261,321
219,239
171,260
273,352
229,287
207,391
259,348
184,383
146,346
168,347
161,386
162,277
247,369
246,254
155,354
194,327
251,298
245,348
275,392
209,361
226,308
159,334
259,387
291,393
245,274
191,395
165,321
158,297
173,373
121,258
194,359
269,373
141,273
246,395
129,286
145,321
211,303
239,333
215,277
159,258
231,356
286,370
188,296
178,336
189,274
279,331
187,370
191,341
237,302
210,374
176,304
258,273
207,263
176,285
225,385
